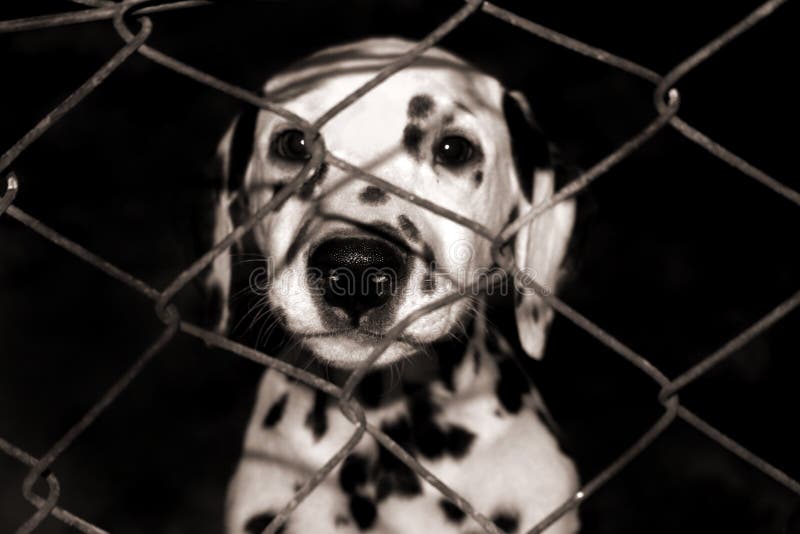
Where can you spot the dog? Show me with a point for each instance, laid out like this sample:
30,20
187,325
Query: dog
346,260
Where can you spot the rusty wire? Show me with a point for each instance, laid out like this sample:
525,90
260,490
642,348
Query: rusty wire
666,103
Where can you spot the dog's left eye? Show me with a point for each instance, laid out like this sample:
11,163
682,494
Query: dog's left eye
454,151
291,145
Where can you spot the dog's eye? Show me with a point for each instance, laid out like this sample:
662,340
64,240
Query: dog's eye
454,151
291,145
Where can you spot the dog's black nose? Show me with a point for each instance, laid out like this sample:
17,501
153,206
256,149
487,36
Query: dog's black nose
356,274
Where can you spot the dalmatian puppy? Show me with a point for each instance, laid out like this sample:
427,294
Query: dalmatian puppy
346,261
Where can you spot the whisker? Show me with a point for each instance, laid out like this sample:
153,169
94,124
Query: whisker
259,305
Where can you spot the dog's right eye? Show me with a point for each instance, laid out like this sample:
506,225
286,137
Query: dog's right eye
290,145
454,151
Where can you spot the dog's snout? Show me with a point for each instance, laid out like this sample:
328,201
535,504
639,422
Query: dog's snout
356,274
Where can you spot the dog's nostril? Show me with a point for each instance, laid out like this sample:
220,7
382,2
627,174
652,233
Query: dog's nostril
356,274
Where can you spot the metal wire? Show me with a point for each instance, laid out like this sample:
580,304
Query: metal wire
666,104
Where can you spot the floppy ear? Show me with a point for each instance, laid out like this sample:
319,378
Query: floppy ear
539,246
232,159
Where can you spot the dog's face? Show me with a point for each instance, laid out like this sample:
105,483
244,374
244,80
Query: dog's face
348,260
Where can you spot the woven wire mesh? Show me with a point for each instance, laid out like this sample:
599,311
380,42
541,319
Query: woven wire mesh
130,19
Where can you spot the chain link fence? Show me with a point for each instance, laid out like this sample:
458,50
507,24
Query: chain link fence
131,21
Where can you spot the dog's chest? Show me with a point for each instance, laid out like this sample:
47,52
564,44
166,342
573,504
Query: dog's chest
494,450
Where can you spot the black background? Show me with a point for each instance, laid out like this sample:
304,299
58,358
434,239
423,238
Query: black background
679,253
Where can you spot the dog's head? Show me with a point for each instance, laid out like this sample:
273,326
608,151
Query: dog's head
347,260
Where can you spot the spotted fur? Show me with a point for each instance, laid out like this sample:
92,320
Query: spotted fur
412,139
457,401
373,195
420,106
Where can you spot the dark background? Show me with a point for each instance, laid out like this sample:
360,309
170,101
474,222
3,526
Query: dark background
679,253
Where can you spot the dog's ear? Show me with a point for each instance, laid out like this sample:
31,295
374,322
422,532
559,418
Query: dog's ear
540,246
232,160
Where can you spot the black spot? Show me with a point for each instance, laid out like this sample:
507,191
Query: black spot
478,178
511,386
307,189
370,390
505,521
373,195
412,138
353,473
452,511
409,228
296,486
363,511
459,440
429,438
384,486
448,362
317,418
400,432
341,520
392,475
428,255
429,280
420,106
275,411
257,523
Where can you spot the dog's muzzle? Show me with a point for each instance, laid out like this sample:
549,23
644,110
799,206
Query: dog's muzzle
357,274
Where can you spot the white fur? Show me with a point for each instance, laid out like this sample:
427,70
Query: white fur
514,458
